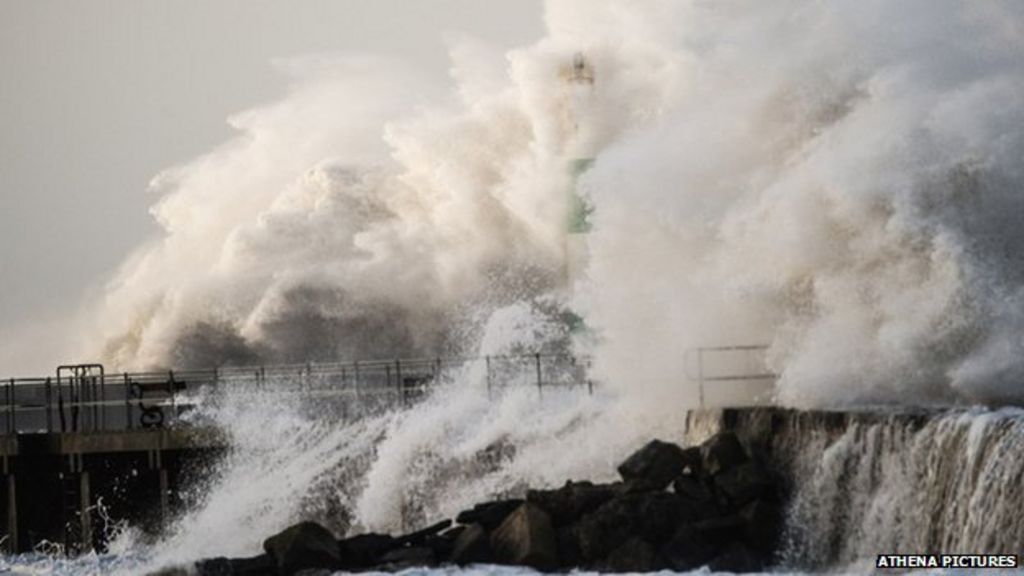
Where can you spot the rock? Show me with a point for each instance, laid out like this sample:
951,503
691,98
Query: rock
634,555
452,533
656,464
744,483
211,567
472,546
408,557
419,536
693,462
365,549
262,565
489,514
568,546
694,490
722,452
304,545
738,559
175,571
567,504
652,516
441,546
762,521
721,531
526,538
687,550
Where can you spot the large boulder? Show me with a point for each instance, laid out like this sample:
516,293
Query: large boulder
654,465
304,545
365,549
472,546
634,555
526,538
262,565
568,546
738,559
176,571
744,483
420,536
408,557
567,504
441,545
489,514
652,516
762,525
720,531
208,567
696,491
693,462
687,550
722,452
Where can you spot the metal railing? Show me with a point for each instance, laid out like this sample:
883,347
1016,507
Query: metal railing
86,398
728,364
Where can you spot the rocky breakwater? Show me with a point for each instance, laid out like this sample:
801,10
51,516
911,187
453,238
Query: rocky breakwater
716,504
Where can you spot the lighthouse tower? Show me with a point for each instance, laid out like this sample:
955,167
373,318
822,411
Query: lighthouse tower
579,79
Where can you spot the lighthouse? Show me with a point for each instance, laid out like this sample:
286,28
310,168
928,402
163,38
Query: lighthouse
579,84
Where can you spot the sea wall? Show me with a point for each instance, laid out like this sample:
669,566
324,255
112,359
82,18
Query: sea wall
862,483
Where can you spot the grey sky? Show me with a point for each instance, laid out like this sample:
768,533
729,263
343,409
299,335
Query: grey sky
98,96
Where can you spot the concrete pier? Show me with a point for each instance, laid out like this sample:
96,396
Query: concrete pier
61,488
86,447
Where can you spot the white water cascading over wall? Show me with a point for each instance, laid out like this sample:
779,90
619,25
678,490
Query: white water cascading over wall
867,483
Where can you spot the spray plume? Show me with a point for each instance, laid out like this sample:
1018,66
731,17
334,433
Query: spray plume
839,180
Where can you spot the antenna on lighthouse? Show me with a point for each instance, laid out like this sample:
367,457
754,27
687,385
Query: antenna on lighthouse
580,72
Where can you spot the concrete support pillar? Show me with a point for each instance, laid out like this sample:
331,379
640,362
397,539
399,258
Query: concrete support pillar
163,487
86,514
12,516
164,495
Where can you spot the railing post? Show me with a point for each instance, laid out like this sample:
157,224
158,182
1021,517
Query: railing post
487,364
12,511
75,397
103,402
11,426
355,367
171,385
60,405
49,405
398,381
540,385
97,414
128,419
700,374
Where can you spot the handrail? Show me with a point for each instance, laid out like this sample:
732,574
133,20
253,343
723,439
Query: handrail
100,400
701,377
87,398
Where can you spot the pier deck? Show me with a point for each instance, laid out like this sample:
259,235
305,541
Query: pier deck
85,445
